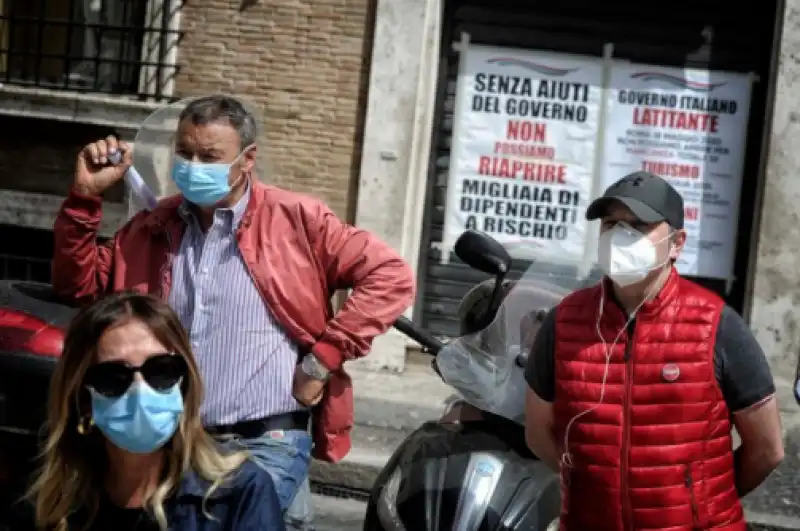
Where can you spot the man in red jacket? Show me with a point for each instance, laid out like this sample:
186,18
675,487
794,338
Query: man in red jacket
250,270
634,383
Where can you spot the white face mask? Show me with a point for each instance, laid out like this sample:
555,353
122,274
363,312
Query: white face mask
626,255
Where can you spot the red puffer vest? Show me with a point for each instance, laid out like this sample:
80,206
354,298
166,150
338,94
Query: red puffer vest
657,453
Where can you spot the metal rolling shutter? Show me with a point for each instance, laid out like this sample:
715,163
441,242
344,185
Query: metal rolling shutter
699,33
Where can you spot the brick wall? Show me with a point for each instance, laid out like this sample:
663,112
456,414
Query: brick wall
304,63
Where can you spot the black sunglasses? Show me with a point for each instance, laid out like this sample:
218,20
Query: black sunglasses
112,378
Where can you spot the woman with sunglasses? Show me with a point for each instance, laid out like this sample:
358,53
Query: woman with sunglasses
126,449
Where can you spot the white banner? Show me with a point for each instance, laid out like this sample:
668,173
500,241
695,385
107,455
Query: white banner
688,126
523,150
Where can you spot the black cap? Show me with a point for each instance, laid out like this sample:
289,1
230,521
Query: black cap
648,196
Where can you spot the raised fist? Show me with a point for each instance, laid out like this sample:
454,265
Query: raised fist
95,172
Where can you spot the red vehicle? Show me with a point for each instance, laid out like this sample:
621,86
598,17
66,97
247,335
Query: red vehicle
32,327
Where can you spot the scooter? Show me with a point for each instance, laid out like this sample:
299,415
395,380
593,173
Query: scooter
471,470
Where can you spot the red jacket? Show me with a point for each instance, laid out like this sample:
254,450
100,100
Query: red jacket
298,252
657,454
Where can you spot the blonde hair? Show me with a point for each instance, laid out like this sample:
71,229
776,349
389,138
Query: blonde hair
71,476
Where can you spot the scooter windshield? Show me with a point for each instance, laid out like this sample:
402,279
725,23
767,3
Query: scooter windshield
488,368
154,147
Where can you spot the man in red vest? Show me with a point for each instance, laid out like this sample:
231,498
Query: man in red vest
636,383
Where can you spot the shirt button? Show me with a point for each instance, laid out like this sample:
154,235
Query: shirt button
195,344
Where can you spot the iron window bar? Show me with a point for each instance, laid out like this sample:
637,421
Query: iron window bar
99,46
27,268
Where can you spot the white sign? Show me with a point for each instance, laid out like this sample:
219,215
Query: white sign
688,126
523,150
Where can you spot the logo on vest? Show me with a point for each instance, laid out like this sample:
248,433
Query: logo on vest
670,372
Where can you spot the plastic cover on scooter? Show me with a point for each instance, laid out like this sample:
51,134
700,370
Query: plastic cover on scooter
479,475
487,367
154,149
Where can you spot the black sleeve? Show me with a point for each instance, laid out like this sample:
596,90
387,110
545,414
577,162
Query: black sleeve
742,368
797,382
21,516
540,371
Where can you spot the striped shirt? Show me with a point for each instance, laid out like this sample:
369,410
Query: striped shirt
246,359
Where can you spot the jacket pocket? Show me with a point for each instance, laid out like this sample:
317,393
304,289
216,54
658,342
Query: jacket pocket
690,488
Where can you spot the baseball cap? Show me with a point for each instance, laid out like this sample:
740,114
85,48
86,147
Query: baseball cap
648,196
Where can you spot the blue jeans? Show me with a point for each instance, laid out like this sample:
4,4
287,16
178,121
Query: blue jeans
286,455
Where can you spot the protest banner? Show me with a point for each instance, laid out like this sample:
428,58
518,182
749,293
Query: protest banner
523,150
688,126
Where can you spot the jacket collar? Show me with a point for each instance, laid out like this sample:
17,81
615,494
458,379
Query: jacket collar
167,211
232,215
193,486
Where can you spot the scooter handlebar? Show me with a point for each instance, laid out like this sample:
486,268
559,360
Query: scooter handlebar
430,343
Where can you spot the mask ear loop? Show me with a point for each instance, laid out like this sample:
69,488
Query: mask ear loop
243,174
566,457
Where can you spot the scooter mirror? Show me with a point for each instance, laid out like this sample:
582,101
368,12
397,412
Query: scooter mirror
482,252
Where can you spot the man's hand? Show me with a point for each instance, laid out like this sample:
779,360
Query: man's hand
310,377
93,172
539,430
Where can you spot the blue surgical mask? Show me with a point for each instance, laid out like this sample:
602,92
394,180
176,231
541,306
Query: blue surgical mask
202,183
142,420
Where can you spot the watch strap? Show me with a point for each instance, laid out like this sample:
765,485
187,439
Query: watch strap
314,368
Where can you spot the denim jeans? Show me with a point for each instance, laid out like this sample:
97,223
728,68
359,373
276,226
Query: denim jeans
286,455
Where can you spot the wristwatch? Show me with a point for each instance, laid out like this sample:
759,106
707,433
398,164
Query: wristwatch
313,368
